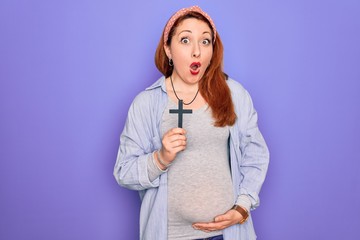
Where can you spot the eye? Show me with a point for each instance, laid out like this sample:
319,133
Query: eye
185,40
206,41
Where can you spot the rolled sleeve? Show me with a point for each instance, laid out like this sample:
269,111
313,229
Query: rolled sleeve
136,146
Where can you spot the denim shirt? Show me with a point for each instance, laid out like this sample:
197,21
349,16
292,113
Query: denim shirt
249,159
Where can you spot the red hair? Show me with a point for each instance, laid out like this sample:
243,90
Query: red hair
212,86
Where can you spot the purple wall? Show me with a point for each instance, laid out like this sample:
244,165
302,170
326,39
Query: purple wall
70,69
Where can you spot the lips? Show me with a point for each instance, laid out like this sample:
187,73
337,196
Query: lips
194,68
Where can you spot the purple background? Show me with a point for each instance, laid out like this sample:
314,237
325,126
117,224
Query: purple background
70,69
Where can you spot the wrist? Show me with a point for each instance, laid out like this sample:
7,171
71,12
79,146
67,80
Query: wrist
157,165
244,213
162,163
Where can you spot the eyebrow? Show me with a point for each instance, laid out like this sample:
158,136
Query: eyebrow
191,32
184,31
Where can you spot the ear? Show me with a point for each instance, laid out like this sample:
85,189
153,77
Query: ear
167,51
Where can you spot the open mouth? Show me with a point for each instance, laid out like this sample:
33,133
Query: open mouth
194,68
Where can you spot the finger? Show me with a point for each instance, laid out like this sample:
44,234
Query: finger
176,137
180,130
169,146
178,149
178,143
177,131
217,228
222,217
205,225
204,230
210,226
200,227
168,138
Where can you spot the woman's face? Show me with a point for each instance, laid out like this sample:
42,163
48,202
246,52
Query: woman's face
191,50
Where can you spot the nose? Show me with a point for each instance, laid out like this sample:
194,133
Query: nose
196,51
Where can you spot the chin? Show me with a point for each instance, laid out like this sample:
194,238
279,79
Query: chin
196,78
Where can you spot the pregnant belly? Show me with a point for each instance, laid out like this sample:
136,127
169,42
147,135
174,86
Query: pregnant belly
200,201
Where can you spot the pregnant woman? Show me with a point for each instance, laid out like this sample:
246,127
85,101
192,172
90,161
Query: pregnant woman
191,145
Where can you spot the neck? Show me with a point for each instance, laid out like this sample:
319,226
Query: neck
183,87
185,94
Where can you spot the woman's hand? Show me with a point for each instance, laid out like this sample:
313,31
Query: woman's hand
173,142
220,222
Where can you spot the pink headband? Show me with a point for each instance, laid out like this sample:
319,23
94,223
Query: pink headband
183,12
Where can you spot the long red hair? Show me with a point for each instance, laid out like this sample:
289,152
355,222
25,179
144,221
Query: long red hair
212,86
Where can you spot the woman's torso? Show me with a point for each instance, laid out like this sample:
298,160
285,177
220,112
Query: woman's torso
199,180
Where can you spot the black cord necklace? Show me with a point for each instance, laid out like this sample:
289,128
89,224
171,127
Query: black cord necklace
172,84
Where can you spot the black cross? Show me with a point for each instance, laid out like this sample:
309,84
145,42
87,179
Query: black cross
180,111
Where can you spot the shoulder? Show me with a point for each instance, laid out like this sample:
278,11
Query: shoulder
150,94
234,85
239,94
149,101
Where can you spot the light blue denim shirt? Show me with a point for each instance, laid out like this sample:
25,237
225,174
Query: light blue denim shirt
249,159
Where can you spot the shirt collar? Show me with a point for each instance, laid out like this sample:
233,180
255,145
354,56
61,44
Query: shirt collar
159,83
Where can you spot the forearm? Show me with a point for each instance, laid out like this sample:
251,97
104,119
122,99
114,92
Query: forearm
244,201
155,169
132,172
